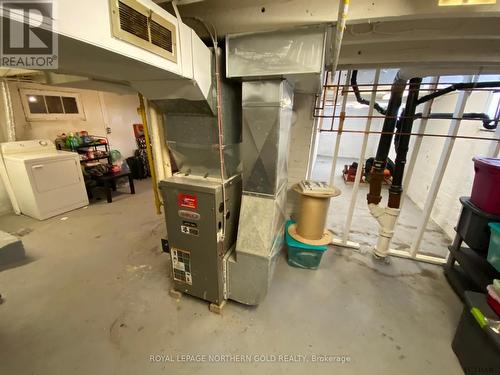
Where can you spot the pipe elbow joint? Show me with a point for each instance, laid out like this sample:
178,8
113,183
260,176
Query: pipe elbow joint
386,217
375,210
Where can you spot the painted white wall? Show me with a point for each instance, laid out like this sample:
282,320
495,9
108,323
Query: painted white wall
119,114
459,174
102,109
49,129
350,144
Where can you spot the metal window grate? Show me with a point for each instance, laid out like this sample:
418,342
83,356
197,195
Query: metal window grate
137,24
161,36
133,21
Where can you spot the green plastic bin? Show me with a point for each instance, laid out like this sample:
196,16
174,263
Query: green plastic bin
494,248
303,255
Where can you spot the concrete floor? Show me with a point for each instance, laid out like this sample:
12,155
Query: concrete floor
93,299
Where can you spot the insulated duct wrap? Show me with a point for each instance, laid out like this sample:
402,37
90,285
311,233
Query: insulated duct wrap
292,51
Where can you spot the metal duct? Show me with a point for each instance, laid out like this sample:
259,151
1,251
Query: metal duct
267,113
295,54
267,110
192,132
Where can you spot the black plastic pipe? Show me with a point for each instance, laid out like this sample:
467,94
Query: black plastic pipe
458,86
403,140
487,121
384,145
466,116
359,98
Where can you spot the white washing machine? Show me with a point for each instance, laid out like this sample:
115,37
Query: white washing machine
45,182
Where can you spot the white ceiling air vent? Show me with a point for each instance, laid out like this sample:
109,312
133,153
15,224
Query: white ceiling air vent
134,23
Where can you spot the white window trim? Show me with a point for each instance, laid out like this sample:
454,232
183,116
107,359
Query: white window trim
24,93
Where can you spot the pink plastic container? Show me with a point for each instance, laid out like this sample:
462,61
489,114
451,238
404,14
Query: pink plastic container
486,187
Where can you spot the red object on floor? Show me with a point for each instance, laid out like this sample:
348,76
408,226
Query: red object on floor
494,304
349,173
486,188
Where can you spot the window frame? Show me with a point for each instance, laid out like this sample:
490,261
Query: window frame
25,93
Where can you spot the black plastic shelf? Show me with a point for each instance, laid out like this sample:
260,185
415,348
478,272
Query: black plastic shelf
473,273
459,280
94,159
91,145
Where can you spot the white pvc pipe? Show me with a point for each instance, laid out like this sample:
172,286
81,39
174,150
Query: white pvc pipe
386,218
420,257
317,125
345,94
418,140
361,160
441,167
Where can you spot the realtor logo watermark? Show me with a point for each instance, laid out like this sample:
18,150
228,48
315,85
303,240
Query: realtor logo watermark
28,40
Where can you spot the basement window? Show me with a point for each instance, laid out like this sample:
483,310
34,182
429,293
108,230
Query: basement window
494,105
42,105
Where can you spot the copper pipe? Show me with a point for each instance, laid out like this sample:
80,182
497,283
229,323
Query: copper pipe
322,97
415,118
344,101
420,134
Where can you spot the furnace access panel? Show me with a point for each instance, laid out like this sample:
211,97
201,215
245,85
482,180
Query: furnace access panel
194,215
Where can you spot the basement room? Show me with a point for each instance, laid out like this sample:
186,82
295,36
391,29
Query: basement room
251,187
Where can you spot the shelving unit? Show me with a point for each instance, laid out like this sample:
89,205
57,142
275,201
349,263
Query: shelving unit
96,146
467,267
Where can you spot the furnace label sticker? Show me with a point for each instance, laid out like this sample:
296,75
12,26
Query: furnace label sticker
190,228
187,201
181,265
189,215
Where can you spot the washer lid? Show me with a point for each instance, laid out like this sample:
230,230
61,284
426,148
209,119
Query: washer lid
27,147
40,156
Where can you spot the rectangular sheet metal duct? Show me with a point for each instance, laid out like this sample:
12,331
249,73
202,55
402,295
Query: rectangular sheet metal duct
267,115
192,132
